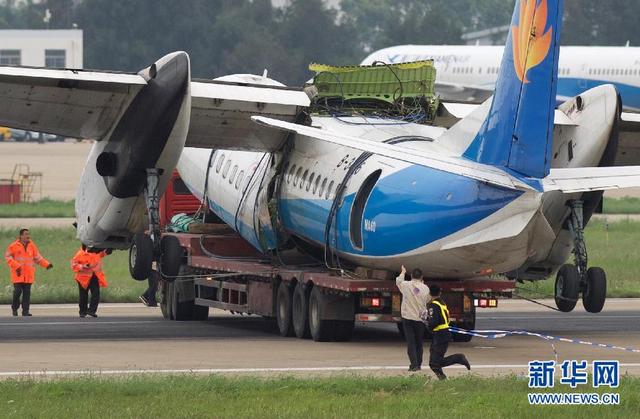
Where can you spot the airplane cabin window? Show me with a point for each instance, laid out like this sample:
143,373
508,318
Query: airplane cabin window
297,176
329,190
291,172
315,185
233,174
310,181
219,165
324,185
225,171
304,178
239,181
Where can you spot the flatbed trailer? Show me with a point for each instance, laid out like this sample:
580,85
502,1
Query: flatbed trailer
223,271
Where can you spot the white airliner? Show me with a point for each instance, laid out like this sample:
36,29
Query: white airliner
507,189
467,72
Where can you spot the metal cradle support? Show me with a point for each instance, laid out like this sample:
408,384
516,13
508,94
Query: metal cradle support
576,228
153,207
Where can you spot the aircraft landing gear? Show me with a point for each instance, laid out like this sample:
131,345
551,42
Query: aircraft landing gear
146,248
573,279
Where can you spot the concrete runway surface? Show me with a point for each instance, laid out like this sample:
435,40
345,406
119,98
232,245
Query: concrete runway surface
131,338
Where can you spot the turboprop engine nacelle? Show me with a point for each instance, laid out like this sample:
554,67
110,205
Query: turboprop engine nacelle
150,134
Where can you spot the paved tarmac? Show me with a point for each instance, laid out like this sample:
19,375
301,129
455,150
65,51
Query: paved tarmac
130,338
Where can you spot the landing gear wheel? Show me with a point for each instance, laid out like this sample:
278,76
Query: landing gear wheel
595,290
284,310
301,312
171,257
140,257
567,288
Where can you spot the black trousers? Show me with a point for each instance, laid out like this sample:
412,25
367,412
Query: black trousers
24,290
152,289
414,335
439,346
94,288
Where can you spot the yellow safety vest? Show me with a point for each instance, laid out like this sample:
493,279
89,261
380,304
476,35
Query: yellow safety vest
445,316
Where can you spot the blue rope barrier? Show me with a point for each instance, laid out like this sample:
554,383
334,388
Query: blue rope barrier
497,334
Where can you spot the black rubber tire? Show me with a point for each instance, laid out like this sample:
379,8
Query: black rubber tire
595,292
300,311
321,330
401,330
165,300
567,288
284,315
182,310
140,257
171,258
200,313
342,330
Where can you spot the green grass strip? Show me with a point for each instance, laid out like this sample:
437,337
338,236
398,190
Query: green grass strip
46,208
417,396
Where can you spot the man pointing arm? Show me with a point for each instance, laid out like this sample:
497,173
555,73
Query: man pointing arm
414,301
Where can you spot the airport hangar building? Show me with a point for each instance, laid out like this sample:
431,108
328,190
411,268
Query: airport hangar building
42,48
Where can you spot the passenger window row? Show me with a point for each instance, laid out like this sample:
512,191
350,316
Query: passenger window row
614,72
299,177
225,171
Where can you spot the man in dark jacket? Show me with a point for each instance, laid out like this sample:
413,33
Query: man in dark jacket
438,323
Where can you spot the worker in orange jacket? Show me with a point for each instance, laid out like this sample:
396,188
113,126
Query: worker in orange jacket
22,255
87,264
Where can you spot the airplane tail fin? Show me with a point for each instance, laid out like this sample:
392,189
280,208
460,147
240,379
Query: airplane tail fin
518,132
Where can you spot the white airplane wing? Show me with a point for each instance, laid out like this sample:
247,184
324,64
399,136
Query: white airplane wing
86,104
447,164
74,103
587,179
221,114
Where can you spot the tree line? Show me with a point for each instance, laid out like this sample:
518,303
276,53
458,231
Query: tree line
247,36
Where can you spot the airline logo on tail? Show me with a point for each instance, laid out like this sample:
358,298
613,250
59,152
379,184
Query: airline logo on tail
531,44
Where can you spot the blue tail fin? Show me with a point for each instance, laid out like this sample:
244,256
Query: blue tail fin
518,133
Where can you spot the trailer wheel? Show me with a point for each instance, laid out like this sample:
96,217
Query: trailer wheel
171,257
200,313
321,330
300,311
165,300
343,330
140,257
182,310
284,310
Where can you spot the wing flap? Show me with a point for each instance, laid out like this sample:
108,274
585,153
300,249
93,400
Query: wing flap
589,179
73,103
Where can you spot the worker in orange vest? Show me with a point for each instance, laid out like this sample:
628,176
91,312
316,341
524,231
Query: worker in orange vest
87,264
21,256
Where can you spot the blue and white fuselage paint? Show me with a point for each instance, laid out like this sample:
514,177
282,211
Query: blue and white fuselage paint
391,212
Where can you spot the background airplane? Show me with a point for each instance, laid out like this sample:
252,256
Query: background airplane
468,72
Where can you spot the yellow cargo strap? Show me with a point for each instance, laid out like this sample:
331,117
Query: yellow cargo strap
445,316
